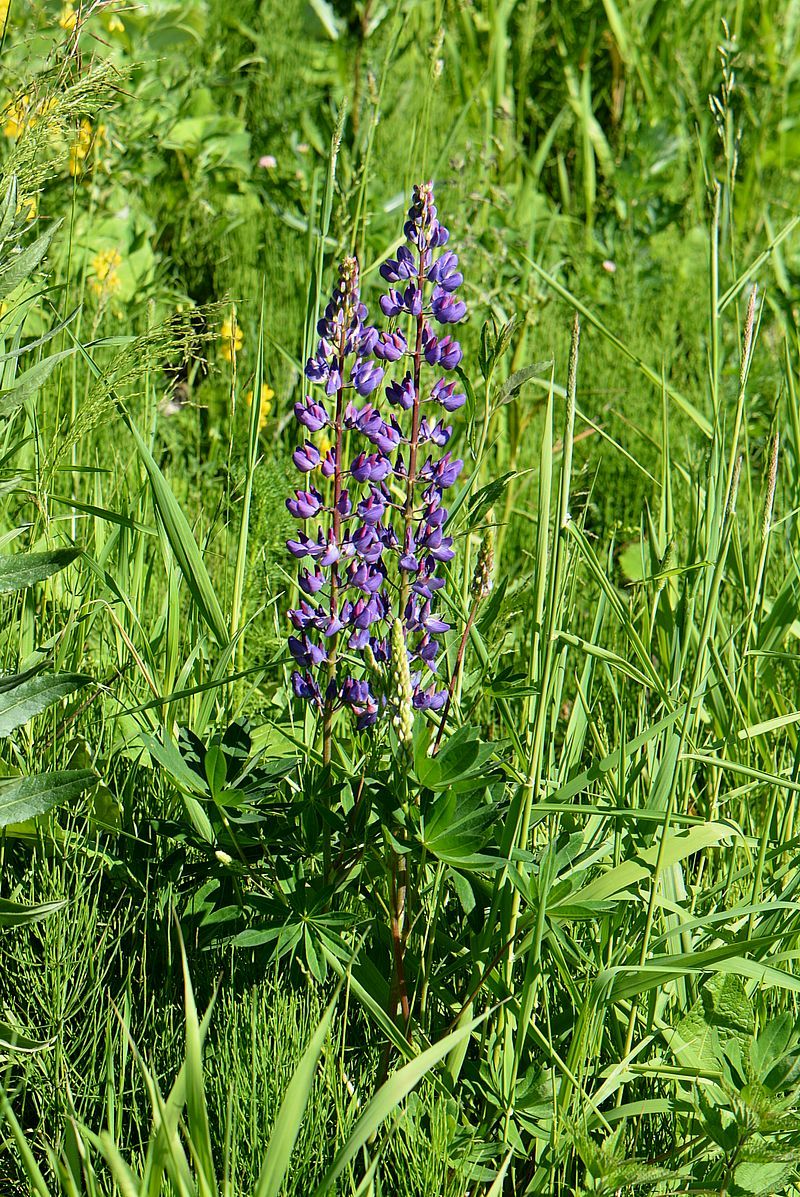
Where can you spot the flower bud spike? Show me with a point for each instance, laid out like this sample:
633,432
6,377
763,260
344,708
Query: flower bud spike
402,696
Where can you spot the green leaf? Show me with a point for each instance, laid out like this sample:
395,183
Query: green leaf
462,757
14,1040
199,1129
216,770
29,382
764,1179
30,796
722,1010
21,701
456,829
182,542
19,570
22,265
512,385
14,914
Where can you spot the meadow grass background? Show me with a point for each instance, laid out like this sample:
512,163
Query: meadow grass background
634,675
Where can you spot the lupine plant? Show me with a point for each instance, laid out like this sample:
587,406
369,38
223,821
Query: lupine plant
380,534
368,628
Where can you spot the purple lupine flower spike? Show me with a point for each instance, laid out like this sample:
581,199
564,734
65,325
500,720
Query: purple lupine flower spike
376,500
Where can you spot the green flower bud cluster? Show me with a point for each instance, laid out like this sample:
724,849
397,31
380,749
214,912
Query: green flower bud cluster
482,578
402,692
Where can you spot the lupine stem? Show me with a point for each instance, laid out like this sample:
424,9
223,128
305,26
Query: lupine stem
327,723
414,442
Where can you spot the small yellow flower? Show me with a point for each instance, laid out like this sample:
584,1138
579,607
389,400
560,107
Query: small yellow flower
29,205
232,338
324,444
79,150
69,18
16,118
4,7
104,266
113,22
267,395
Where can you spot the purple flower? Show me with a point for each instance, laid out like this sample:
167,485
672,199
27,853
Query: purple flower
401,394
306,458
451,353
367,340
443,473
391,304
444,272
446,308
304,686
370,467
317,368
366,376
305,652
412,300
311,415
390,346
311,583
334,380
430,699
403,267
445,393
378,549
305,505
437,433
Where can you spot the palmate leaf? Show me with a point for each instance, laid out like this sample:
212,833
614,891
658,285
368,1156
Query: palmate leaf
26,797
462,759
22,696
456,830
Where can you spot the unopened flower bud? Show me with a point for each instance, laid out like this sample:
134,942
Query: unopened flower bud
403,719
482,578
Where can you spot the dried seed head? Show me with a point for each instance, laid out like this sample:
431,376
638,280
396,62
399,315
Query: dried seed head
482,580
772,478
403,718
749,326
665,565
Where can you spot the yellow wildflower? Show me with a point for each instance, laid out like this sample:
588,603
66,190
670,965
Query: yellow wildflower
29,205
324,444
113,22
267,395
4,6
104,266
79,150
15,118
69,18
232,338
